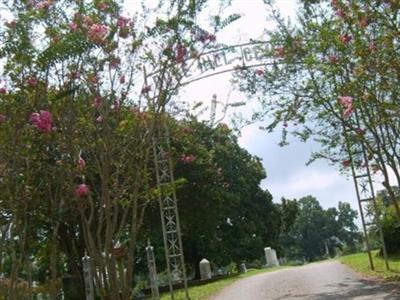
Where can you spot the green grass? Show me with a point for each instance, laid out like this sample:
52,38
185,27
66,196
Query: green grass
360,263
203,292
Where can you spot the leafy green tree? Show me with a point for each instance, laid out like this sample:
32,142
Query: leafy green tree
225,216
315,230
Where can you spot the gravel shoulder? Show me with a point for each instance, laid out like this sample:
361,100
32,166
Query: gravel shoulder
326,280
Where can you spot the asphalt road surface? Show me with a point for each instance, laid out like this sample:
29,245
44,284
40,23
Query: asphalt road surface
319,281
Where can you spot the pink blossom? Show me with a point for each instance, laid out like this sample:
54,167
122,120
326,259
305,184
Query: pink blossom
115,62
259,72
98,102
181,53
74,75
43,4
122,79
285,124
187,159
340,13
346,163
99,119
116,106
333,59
364,22
146,89
212,37
82,190
43,121
32,81
345,38
3,90
81,163
279,51
73,26
3,118
347,104
122,22
97,33
207,37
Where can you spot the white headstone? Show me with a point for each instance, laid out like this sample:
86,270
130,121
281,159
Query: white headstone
270,256
87,275
243,268
205,269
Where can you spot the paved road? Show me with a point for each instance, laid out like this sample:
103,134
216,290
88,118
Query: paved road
319,281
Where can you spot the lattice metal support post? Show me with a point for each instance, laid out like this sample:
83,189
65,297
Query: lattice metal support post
365,191
151,263
168,208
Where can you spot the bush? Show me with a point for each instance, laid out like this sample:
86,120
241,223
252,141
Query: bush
391,232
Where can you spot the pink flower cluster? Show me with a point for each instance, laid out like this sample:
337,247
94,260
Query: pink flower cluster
97,33
98,102
3,90
181,53
279,51
43,121
347,104
187,159
259,72
82,190
123,25
32,81
333,59
73,26
123,21
346,163
206,37
81,163
345,38
43,4
146,89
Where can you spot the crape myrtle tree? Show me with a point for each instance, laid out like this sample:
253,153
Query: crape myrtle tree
334,69
225,216
77,117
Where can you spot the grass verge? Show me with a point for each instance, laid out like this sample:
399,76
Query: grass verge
203,292
360,263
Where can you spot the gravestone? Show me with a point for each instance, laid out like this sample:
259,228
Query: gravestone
151,263
243,268
270,256
205,269
88,277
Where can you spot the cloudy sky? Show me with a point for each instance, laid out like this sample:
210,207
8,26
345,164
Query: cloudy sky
287,175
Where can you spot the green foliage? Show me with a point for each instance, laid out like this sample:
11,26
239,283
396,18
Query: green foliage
224,214
310,230
360,263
